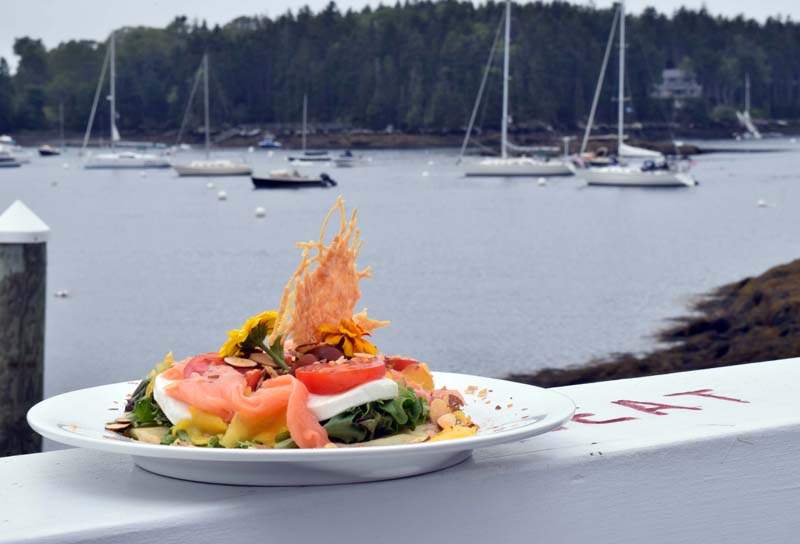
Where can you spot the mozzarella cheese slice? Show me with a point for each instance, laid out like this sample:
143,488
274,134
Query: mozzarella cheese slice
322,406
327,406
175,410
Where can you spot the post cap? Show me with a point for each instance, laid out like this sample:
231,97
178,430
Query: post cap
19,225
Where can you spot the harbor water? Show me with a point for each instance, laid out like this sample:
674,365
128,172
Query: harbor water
483,276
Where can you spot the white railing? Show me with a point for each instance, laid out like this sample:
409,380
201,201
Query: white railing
707,456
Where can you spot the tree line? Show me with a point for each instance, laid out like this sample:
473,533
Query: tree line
415,66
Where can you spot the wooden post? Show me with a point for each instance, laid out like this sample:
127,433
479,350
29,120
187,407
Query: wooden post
23,274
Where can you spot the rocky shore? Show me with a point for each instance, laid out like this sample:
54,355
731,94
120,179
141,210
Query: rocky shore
755,319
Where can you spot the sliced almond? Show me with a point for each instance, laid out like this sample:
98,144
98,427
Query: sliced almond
117,426
123,420
239,362
263,359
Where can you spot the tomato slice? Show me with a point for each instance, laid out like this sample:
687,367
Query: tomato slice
200,363
330,379
395,362
252,377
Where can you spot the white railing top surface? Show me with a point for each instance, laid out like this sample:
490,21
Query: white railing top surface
704,456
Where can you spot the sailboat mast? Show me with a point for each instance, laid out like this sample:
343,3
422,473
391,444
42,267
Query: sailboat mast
113,88
305,119
506,48
61,122
205,105
621,97
747,94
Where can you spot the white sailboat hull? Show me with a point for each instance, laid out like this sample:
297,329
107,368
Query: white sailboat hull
621,176
125,160
518,167
213,168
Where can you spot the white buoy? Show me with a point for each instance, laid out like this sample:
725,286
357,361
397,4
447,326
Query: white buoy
222,195
541,181
61,293
209,185
431,163
65,165
251,149
270,153
425,174
260,212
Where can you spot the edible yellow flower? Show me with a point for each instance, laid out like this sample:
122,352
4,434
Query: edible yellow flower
347,336
164,365
250,336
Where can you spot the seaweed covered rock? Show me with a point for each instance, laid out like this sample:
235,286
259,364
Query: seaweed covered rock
755,319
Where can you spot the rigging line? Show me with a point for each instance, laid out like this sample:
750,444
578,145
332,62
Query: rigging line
189,103
88,133
599,87
482,87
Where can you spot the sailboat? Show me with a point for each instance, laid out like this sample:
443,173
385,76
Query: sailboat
654,170
114,159
744,116
505,165
308,156
208,167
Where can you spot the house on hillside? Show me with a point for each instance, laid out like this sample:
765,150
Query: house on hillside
677,85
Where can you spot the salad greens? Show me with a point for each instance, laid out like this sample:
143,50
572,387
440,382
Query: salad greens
379,418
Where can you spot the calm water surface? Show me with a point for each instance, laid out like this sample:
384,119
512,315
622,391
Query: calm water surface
483,276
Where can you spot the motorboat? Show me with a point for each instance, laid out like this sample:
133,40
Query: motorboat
269,142
291,179
49,151
348,160
217,167
207,167
506,165
7,160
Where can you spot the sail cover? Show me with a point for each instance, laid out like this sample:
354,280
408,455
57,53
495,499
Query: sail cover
633,152
114,133
747,123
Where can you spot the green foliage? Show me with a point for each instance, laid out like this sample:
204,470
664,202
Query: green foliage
416,66
379,418
147,413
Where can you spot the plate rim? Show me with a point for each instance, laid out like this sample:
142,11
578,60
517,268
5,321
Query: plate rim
138,449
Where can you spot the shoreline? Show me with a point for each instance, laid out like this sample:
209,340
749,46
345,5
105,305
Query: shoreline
657,138
755,319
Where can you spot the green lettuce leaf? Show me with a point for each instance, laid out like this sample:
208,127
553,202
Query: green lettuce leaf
379,418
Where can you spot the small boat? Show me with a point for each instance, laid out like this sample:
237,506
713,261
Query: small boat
218,167
348,160
269,142
311,156
49,151
208,167
286,179
125,159
8,161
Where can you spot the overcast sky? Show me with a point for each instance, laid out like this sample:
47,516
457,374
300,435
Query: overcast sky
61,20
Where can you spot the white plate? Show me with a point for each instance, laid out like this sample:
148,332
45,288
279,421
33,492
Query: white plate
78,418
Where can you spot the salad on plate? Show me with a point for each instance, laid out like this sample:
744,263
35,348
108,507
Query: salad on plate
304,375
